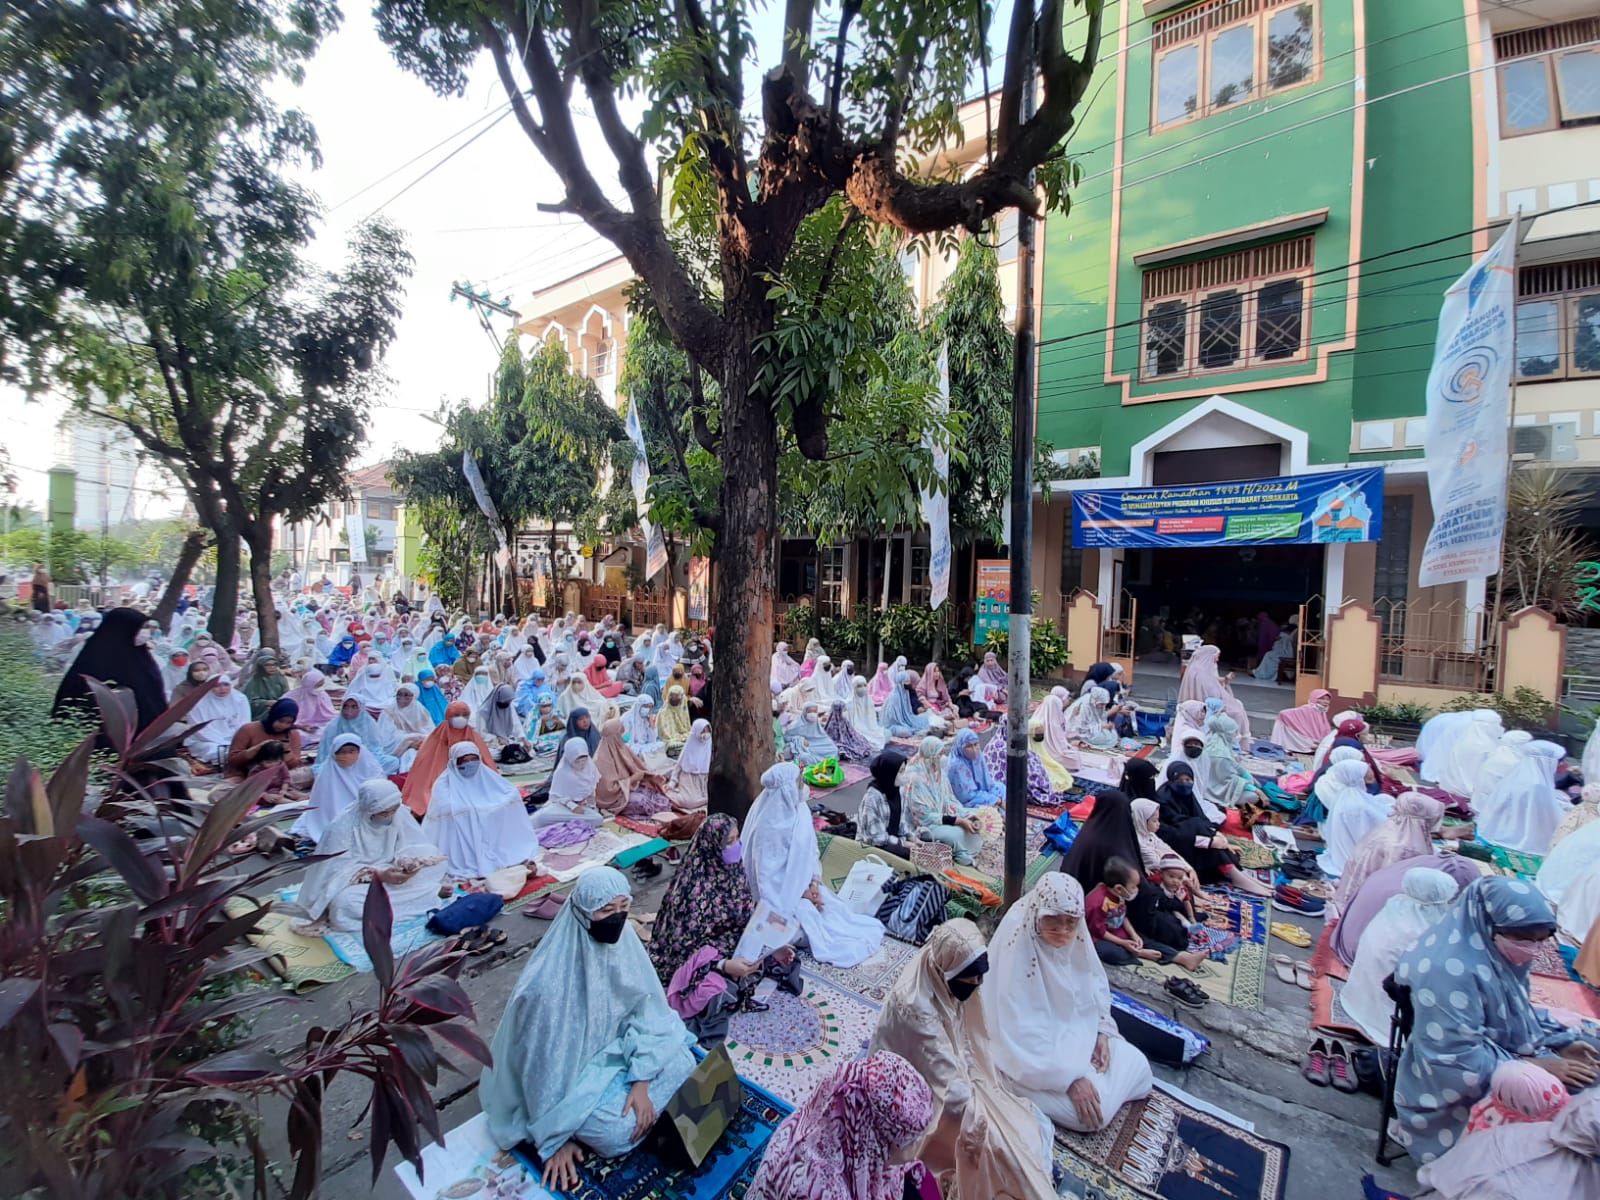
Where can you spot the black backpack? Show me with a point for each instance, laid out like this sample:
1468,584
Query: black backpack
912,907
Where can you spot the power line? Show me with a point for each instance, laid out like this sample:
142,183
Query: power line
503,115
420,155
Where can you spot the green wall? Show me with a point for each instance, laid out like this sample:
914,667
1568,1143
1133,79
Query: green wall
1288,154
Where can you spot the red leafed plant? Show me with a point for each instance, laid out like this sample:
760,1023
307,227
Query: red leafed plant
125,983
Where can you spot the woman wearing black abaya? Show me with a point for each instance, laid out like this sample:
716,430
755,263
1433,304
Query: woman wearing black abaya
117,654
1107,834
1191,833
1139,779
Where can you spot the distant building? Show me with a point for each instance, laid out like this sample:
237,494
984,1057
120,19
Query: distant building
108,490
321,545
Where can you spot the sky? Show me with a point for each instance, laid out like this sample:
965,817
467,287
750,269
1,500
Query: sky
470,217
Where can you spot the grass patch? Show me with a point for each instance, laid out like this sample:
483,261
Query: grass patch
26,694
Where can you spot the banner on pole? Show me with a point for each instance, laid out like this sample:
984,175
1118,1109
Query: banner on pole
994,599
936,505
1338,506
1469,409
541,582
480,493
699,589
655,556
355,527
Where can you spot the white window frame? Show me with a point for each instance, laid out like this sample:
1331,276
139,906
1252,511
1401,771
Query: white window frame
1201,26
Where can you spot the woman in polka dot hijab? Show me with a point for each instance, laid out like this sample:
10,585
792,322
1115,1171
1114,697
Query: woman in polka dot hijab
1469,982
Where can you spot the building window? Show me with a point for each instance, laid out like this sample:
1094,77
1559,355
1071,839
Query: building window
1558,321
1550,77
600,362
1227,52
830,586
380,510
921,584
1227,313
1005,236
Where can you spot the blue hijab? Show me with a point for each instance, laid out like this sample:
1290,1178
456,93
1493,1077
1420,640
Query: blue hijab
591,738
1474,1010
443,654
281,708
433,698
969,777
652,686
361,726
343,652
900,717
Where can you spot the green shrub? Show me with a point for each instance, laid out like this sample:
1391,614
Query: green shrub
1396,714
26,694
1047,648
800,625
912,629
1525,708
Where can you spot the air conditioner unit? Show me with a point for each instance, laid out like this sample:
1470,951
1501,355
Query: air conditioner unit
1553,443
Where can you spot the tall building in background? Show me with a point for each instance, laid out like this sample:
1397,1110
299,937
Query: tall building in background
112,485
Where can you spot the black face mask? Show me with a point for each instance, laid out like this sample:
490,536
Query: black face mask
606,930
1192,751
1182,786
962,989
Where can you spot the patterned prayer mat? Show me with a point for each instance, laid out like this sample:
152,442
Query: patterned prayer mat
1240,980
1515,862
301,962
1570,995
800,1040
469,1164
1162,1147
839,854
871,980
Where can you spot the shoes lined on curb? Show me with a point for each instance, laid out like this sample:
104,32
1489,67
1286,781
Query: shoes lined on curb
1315,1068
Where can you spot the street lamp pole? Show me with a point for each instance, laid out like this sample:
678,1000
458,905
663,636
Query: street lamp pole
1019,690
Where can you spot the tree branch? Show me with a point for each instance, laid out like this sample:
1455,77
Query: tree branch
797,19
697,411
847,14
851,216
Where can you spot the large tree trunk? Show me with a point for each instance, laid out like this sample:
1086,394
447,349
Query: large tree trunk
259,539
225,603
194,545
741,694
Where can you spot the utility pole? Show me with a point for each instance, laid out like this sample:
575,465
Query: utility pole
1019,689
481,305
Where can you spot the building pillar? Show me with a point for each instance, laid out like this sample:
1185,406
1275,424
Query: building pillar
1110,580
1332,579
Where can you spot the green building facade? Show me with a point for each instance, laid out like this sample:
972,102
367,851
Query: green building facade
1274,196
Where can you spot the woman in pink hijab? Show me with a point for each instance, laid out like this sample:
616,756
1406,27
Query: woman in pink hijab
880,687
1052,719
1301,730
316,710
1408,833
1201,682
936,693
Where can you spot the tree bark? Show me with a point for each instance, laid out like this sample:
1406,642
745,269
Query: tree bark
194,545
225,601
741,694
259,538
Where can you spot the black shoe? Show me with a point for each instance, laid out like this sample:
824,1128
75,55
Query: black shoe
1186,993
749,1004
646,868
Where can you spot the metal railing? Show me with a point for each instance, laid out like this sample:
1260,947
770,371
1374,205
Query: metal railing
1435,645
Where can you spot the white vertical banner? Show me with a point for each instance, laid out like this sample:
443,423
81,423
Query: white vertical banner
355,527
1469,412
655,554
936,505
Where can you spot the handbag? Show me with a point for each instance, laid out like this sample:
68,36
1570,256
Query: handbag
700,1112
1061,833
933,858
863,887
464,912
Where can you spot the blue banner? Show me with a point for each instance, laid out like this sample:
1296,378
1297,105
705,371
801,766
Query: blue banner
1340,506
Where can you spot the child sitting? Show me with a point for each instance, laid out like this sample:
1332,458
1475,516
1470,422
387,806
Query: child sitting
1175,887
1116,941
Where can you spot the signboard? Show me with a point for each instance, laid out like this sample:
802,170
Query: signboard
936,505
1339,506
699,589
994,599
655,553
541,582
355,528
1469,409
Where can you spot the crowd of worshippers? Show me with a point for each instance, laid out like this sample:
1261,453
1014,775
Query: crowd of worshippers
980,1048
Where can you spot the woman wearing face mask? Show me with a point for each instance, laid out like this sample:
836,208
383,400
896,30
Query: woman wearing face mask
116,654
431,696
1468,977
370,839
984,1141
336,786
267,683
315,709
220,714
878,821
572,788
587,1052
1186,828
174,669
703,913
197,673
1054,1040
692,770
353,719
476,817
434,755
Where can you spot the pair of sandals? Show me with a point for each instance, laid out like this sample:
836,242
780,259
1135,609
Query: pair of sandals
1328,1065
1292,971
480,939
1186,992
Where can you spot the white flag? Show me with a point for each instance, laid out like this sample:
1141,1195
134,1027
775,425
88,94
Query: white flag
936,505
1469,412
639,476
